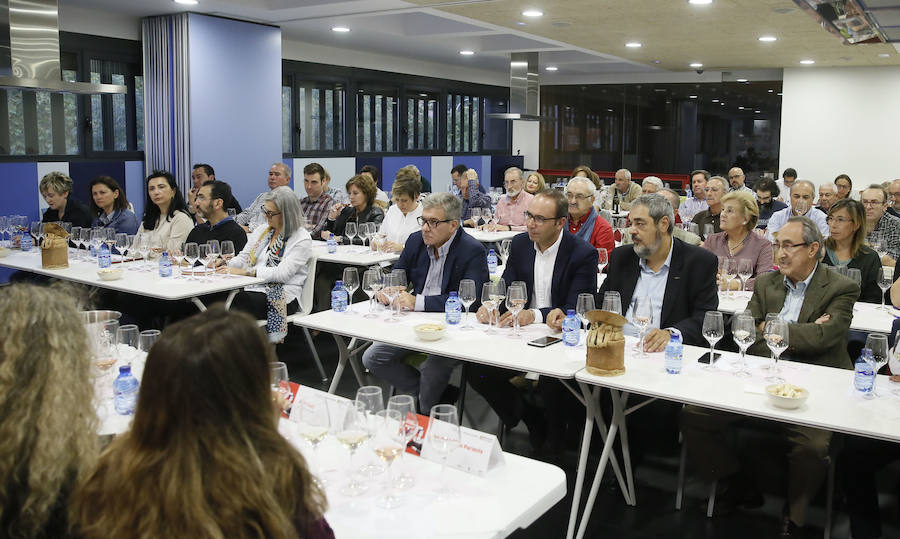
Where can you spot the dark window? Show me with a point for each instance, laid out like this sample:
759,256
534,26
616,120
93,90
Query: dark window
376,119
422,121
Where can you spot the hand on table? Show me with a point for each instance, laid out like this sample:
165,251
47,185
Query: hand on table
526,316
494,227
656,340
233,271
470,223
406,301
482,315
555,319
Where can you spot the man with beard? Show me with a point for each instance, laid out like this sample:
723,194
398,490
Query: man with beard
209,204
511,208
767,199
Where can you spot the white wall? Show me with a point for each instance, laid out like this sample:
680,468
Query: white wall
526,137
841,120
98,22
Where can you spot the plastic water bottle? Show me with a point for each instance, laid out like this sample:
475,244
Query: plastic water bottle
338,296
571,329
453,309
26,243
165,265
332,244
864,373
674,351
103,258
125,391
492,261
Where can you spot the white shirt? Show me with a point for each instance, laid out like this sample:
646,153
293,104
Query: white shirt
397,227
780,218
543,278
291,271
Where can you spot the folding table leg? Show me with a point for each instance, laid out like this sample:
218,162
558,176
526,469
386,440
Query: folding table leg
598,476
623,439
315,353
343,356
199,304
590,403
679,489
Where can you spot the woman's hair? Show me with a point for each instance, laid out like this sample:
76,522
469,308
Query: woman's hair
590,174
844,177
204,457
48,425
365,184
408,183
119,204
285,199
748,204
857,213
57,182
541,183
151,210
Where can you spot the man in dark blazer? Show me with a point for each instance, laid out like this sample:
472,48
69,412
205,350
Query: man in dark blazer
679,279
436,259
555,267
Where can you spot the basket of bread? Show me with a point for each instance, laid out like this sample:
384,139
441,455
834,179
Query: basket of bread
605,343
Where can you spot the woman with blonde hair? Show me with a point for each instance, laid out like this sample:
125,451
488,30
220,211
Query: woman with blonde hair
204,458
737,240
534,183
48,425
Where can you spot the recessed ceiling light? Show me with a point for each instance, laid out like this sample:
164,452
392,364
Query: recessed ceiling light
520,23
532,13
740,108
807,62
771,91
741,80
467,53
692,96
609,110
768,39
884,55
779,93
757,111
722,103
551,68
715,101
187,2
633,45
699,2
341,29
696,65
518,64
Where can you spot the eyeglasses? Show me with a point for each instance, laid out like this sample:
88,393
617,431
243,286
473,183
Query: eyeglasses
872,203
839,220
432,223
270,214
735,176
539,219
787,245
570,197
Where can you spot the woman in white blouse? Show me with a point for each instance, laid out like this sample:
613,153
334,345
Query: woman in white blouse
166,220
400,219
277,252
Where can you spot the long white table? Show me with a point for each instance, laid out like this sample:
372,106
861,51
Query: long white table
491,237
866,316
353,255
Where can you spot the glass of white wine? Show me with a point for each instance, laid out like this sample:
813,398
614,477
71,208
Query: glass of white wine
389,442
352,433
643,317
314,423
406,405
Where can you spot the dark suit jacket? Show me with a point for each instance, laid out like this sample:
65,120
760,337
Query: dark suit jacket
828,292
574,272
690,288
466,259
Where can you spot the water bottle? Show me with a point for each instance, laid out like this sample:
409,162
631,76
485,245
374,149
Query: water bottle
571,328
103,258
339,296
864,373
26,243
688,193
453,309
125,391
492,261
332,244
674,352
165,265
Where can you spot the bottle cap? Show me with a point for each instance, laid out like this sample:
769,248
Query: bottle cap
570,312
339,283
125,369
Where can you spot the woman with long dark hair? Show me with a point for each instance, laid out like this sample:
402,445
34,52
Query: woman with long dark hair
166,219
110,207
204,457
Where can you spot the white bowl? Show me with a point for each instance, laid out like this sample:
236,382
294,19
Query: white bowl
110,274
788,403
431,331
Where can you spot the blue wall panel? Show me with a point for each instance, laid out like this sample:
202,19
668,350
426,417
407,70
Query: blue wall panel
82,172
376,162
392,164
134,181
19,185
481,164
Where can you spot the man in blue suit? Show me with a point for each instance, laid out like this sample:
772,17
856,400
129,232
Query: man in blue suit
436,259
555,267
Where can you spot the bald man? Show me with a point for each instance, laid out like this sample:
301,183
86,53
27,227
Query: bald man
736,178
623,189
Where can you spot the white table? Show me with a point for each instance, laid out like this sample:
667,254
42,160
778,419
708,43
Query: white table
148,284
353,255
491,237
832,405
111,422
866,316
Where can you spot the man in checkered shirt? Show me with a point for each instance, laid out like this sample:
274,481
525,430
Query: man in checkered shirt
884,228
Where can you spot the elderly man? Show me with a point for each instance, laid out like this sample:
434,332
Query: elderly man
317,202
883,228
827,197
767,200
470,191
511,208
650,185
250,218
695,203
818,305
716,187
622,190
555,267
801,204
737,178
894,192
584,222
436,259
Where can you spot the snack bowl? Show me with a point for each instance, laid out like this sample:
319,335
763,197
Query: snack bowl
431,331
110,274
786,396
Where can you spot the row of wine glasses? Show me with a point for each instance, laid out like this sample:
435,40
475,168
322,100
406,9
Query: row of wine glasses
483,216
733,268
365,231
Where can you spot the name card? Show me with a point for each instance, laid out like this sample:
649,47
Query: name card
476,453
307,399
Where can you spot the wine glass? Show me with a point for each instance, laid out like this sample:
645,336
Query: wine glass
203,256
373,400
744,331
227,253
73,238
776,335
516,298
127,336
642,313
406,406
176,251
130,248
109,238
147,339
443,436
192,255
885,280
612,302
106,344
713,331
499,296
352,433
708,230
390,288
602,259
401,287
584,305
280,384
144,250
729,272
97,237
350,232
156,247
368,230
351,283
314,420
745,271
371,283
476,216
894,360
487,293
213,249
877,343
84,240
389,439
37,232
503,250
467,297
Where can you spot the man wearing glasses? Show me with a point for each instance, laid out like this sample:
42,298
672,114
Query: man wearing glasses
884,228
894,191
584,222
818,305
435,259
511,208
736,178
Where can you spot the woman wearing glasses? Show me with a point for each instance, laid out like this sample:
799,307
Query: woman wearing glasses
362,190
277,252
846,246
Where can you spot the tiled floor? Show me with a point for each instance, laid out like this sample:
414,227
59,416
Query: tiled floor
653,517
